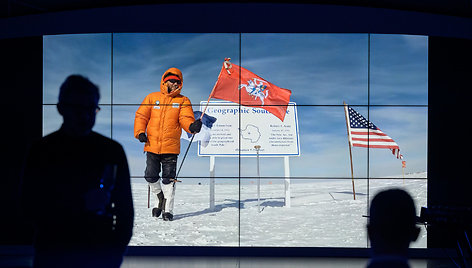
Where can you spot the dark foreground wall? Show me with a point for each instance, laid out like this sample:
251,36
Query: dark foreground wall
21,112
449,148
449,83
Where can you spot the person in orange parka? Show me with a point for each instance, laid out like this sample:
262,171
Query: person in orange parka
161,116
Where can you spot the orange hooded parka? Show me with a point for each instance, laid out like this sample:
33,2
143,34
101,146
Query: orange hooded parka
162,115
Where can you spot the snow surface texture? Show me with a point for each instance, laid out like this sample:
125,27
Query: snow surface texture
322,213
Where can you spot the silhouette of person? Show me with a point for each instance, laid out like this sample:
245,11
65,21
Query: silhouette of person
76,188
391,228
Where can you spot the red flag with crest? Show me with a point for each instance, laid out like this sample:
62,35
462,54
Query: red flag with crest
253,91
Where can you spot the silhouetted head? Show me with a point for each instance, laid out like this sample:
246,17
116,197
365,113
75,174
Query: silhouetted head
392,222
78,104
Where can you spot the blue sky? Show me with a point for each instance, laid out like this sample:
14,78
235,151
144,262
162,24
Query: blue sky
321,70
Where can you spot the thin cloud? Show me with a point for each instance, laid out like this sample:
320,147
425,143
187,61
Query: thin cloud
319,69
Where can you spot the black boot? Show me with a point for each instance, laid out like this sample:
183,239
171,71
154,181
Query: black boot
162,201
156,212
167,216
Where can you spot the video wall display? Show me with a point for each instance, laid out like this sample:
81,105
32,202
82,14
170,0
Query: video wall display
283,158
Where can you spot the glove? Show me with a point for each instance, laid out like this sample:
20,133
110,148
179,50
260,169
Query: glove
196,126
142,137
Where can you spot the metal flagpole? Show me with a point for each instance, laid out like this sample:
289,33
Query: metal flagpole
403,174
403,170
350,150
258,147
287,181
212,181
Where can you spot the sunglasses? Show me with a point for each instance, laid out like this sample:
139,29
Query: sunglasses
173,81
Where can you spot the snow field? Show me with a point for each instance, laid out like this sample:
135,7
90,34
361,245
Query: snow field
322,214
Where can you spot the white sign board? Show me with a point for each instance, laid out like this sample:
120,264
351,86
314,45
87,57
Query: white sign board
258,127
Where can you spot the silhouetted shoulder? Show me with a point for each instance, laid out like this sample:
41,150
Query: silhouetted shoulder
59,138
99,138
106,147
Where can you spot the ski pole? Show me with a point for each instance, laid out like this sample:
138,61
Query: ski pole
149,194
185,155
227,65
190,143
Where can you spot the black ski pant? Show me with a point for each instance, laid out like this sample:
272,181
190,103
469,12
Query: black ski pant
154,162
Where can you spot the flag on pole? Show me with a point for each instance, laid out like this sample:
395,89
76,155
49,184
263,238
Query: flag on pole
253,90
204,135
363,133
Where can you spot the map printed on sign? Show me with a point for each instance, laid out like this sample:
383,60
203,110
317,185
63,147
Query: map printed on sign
239,128
251,133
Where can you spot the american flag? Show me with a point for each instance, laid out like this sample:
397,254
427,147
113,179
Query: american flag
363,133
